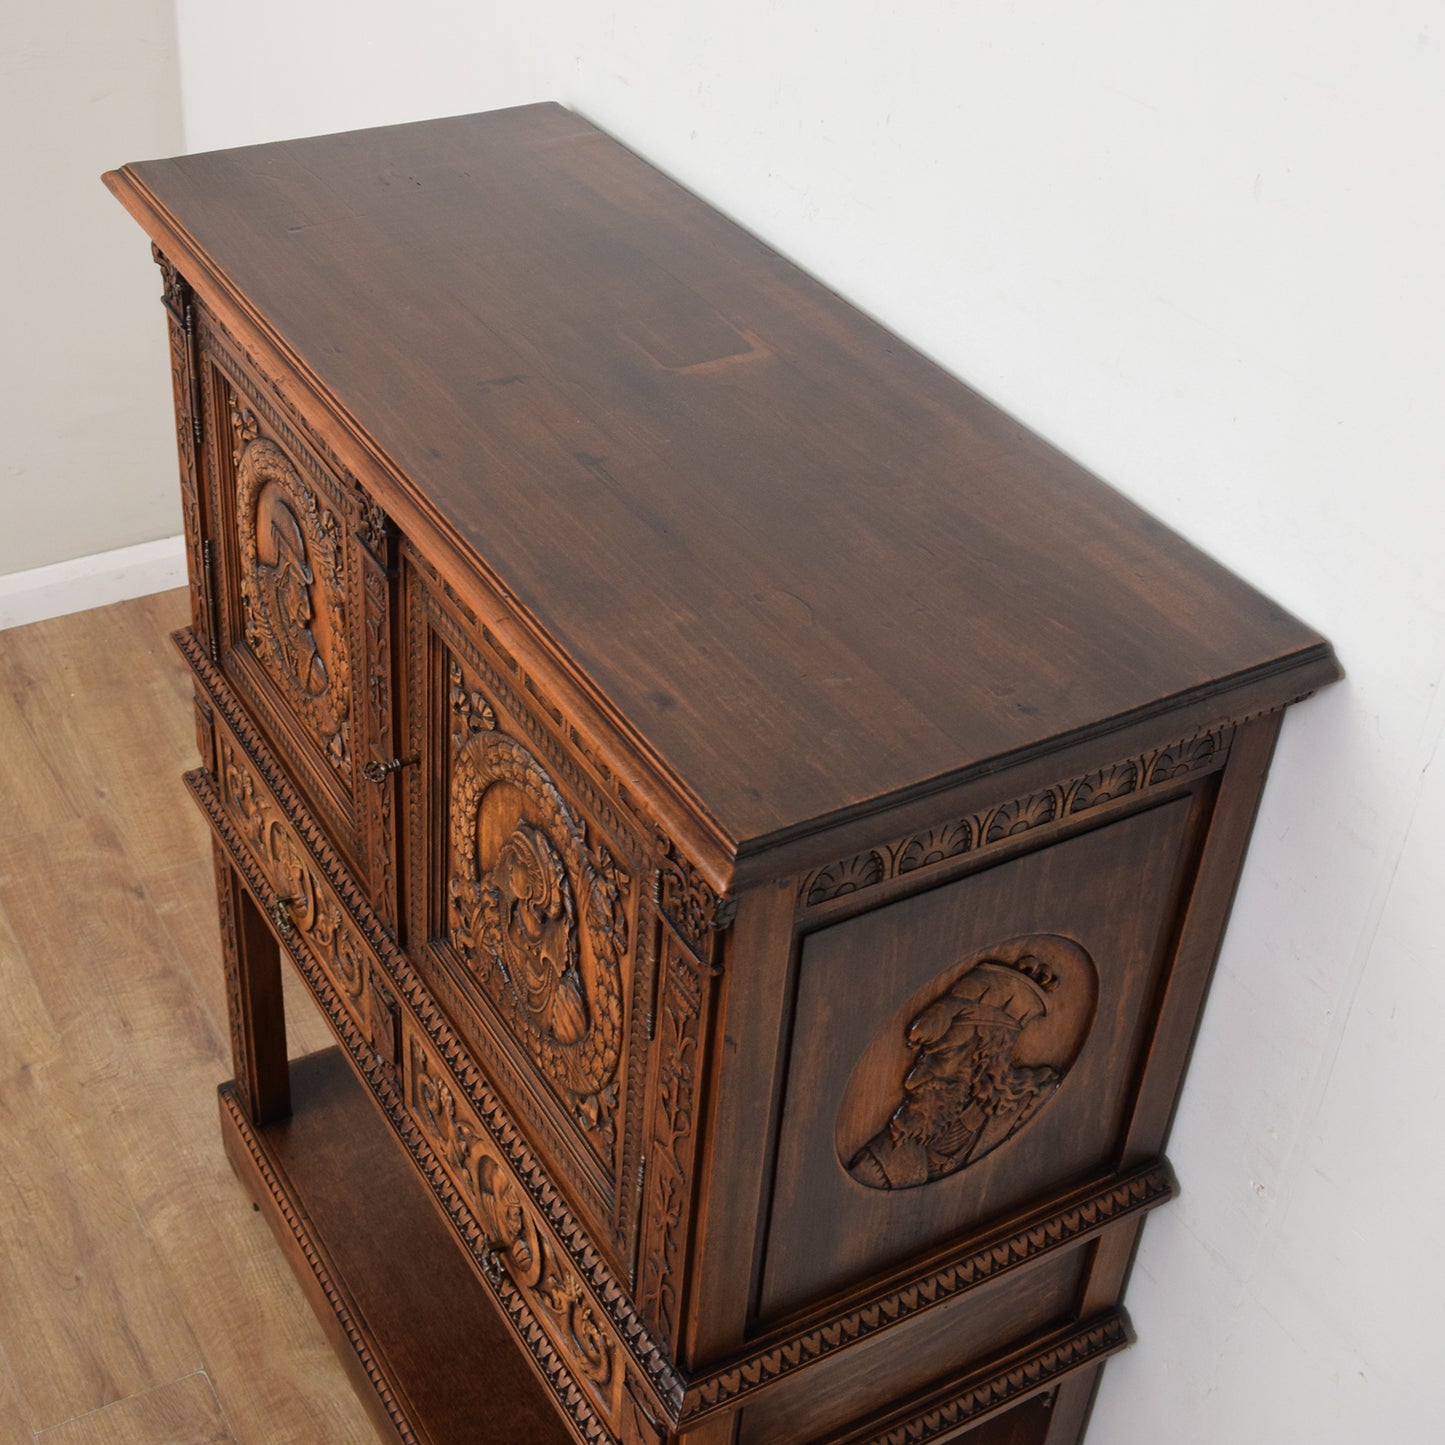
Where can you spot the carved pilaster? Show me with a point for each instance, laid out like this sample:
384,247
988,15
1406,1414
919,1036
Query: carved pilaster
685,991
185,390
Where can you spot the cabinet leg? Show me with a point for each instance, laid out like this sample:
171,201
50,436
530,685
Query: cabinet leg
253,1000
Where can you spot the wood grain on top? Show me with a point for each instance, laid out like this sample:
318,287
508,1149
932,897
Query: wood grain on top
803,564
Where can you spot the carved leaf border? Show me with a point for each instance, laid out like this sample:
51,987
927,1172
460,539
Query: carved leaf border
989,827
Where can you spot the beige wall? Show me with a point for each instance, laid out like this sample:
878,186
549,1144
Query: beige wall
88,458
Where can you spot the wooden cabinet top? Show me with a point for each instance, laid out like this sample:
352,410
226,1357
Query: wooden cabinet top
798,566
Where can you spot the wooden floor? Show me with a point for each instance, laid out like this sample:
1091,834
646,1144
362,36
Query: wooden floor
141,1296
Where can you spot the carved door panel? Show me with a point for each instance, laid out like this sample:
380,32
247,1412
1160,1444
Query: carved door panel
303,609
529,909
968,1051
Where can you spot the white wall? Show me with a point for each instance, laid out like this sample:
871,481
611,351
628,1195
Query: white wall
1199,247
89,459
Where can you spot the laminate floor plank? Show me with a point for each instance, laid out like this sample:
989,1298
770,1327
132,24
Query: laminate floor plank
104,697
184,1410
88,1318
14,1428
36,788
110,981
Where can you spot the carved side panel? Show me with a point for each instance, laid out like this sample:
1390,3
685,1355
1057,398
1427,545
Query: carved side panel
990,1048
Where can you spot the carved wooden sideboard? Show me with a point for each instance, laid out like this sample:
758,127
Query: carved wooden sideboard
758,821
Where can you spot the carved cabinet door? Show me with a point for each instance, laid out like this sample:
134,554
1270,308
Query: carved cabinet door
299,564
529,909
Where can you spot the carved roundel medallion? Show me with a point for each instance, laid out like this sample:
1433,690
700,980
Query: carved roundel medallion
967,1062
538,916
291,589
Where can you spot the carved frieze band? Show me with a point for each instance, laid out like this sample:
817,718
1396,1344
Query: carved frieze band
994,826
648,1356
1089,1343
1064,1227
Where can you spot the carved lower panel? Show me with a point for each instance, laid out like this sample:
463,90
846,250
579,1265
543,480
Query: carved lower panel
1014,1380
518,1248
381,1076
992,827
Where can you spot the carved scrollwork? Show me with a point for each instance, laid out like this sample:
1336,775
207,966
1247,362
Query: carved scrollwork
537,912
689,904
980,1056
518,1245
306,909
292,585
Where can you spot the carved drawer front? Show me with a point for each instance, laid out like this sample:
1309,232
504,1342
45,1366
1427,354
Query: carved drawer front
302,626
969,1051
537,1282
532,916
303,907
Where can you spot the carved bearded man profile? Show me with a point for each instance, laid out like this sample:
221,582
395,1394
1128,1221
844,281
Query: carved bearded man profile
964,1092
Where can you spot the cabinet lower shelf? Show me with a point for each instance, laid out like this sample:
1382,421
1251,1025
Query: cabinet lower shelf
427,1352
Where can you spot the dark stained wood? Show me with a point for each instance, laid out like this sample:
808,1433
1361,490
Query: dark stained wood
256,1005
777,518
758,823
427,1350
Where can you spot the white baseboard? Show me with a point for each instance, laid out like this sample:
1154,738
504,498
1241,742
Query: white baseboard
92,581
